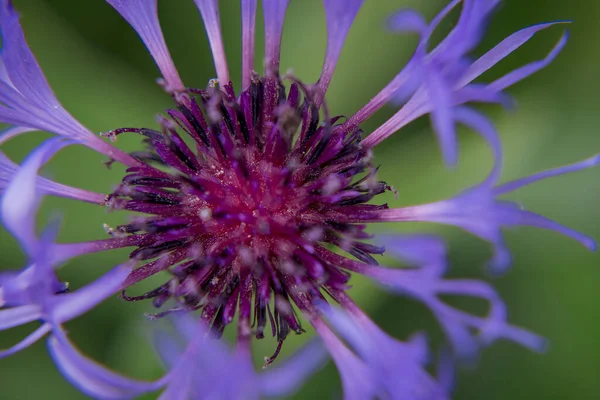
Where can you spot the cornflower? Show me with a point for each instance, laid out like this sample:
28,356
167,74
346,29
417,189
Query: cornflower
257,205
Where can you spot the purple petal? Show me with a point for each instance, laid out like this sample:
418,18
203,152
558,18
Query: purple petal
428,252
204,366
8,169
479,123
294,371
441,115
447,73
30,286
21,197
12,132
90,377
456,323
501,50
20,66
142,15
466,34
72,305
402,85
248,40
274,13
477,210
518,216
28,341
434,24
519,183
446,371
25,93
207,368
400,88
21,315
339,15
210,14
408,21
396,367
521,73
357,380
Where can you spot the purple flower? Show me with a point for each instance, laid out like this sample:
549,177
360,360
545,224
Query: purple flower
256,203
202,367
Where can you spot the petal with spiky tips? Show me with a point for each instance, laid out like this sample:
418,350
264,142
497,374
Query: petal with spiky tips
446,74
26,97
21,70
71,305
477,210
142,15
407,20
28,341
210,15
502,50
21,198
358,381
396,366
9,169
523,72
248,40
339,15
456,323
274,13
16,316
426,251
90,377
294,371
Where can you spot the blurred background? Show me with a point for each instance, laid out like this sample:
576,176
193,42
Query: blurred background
103,75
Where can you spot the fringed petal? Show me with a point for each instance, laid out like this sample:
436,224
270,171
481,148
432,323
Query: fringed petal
294,371
248,40
426,251
482,125
11,317
21,197
71,305
339,15
502,50
408,20
28,341
8,170
25,95
206,367
521,73
142,15
478,211
567,169
457,324
443,75
441,115
210,15
91,378
21,70
358,381
274,13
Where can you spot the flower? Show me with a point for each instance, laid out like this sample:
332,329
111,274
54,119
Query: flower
261,214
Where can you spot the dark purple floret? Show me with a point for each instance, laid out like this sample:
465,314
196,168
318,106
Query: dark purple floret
236,213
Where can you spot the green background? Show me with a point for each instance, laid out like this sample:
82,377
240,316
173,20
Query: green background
104,77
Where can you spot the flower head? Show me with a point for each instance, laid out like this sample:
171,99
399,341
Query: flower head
256,202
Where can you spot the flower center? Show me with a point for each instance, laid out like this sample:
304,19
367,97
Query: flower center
241,212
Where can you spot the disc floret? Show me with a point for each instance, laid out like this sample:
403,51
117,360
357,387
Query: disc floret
237,216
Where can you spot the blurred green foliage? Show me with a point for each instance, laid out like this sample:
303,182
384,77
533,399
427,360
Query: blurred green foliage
103,76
